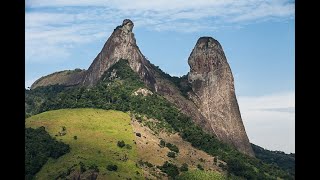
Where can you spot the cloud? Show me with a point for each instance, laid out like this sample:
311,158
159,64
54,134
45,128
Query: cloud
53,25
270,120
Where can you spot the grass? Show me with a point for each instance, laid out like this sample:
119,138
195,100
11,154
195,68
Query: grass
201,175
98,132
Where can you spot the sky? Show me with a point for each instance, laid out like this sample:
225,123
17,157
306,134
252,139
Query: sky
257,36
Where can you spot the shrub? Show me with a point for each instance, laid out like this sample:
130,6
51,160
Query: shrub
121,144
162,143
82,167
170,169
128,146
172,147
148,164
112,167
171,154
75,137
94,167
200,167
184,167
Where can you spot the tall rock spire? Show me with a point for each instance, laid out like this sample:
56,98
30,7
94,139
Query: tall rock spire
214,94
120,45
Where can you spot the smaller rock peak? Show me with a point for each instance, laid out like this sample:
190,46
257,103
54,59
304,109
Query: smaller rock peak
207,41
127,25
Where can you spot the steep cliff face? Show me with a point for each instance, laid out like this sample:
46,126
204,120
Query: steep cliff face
120,45
214,94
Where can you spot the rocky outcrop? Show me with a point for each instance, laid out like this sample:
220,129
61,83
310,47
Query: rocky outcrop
143,92
214,94
120,45
67,78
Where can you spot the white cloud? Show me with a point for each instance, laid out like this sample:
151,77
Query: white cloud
51,25
270,120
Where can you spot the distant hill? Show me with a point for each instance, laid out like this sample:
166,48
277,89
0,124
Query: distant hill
279,158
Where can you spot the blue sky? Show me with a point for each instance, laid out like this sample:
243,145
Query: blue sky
256,35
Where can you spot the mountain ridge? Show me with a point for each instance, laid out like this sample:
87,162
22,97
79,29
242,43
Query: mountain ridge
122,45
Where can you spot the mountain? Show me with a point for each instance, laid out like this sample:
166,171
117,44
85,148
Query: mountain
214,94
210,100
153,119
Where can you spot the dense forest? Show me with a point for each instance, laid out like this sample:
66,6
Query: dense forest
281,159
115,92
39,147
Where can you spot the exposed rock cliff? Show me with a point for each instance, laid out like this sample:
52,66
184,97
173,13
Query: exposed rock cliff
120,45
67,78
214,94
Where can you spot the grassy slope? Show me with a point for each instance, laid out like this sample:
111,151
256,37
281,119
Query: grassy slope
98,132
201,175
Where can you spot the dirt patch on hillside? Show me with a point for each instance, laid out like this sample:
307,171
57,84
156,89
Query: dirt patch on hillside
149,150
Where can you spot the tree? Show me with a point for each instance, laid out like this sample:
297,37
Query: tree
121,144
162,143
184,167
200,167
170,169
111,167
171,154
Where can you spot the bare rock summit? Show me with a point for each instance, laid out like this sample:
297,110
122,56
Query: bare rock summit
214,94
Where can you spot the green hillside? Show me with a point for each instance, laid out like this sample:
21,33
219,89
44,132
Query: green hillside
92,135
115,91
201,175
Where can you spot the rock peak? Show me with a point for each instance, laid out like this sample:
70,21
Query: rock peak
127,25
213,93
207,41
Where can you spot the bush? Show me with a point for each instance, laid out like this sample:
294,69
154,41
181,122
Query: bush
184,167
162,143
121,144
82,167
75,137
128,146
170,169
141,163
200,167
171,154
172,147
94,167
112,167
148,164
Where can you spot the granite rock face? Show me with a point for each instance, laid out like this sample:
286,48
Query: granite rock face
214,94
66,78
120,45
